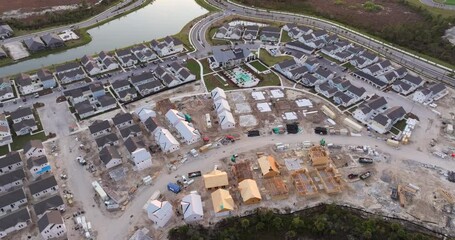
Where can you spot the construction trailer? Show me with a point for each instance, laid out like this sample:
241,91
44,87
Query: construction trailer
352,124
326,110
100,191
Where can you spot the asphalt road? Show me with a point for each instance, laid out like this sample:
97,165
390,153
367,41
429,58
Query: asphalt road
432,3
109,13
418,65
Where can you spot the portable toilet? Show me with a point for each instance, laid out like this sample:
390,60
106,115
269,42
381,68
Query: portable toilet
188,118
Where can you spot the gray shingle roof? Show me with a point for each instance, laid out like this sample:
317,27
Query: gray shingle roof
14,218
133,143
108,153
42,184
11,197
50,218
133,129
21,112
33,144
120,83
106,139
99,126
11,177
36,161
122,118
10,159
50,203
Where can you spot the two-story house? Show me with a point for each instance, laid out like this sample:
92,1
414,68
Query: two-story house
139,155
110,157
12,201
10,162
37,166
51,225
11,180
44,187
34,148
100,128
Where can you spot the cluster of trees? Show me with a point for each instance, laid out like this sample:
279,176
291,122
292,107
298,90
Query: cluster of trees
51,19
325,222
425,36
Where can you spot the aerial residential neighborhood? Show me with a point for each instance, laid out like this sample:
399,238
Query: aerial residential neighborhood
207,119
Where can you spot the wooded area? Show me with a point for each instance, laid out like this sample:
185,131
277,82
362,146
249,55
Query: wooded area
323,222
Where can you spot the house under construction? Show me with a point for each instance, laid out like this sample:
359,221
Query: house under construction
242,171
319,157
276,188
311,182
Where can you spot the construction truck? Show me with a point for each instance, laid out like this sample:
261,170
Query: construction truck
205,148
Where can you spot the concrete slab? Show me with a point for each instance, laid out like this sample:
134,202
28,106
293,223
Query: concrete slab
16,50
237,97
264,107
242,108
247,121
293,164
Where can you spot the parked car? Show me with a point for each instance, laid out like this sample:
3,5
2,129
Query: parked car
365,160
365,175
353,176
194,174
320,130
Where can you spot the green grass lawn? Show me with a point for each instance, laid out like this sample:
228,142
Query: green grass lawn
268,59
258,65
400,125
214,42
19,141
448,2
207,6
205,66
4,150
270,79
213,80
329,58
194,67
285,37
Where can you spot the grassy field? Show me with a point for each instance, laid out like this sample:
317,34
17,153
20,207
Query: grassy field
448,2
213,80
194,67
205,66
19,141
268,59
258,65
270,79
207,6
285,37
4,150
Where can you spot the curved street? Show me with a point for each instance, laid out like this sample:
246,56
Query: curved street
119,228
420,65
432,3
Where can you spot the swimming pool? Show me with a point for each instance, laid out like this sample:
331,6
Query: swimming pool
242,77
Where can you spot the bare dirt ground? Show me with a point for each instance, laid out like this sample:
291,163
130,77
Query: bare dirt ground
37,5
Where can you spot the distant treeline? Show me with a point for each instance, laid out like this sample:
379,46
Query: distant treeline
51,19
322,222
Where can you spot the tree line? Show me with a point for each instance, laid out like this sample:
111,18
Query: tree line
325,222
51,19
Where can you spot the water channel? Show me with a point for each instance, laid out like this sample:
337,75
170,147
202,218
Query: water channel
157,20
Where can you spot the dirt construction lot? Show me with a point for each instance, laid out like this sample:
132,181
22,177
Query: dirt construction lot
34,5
